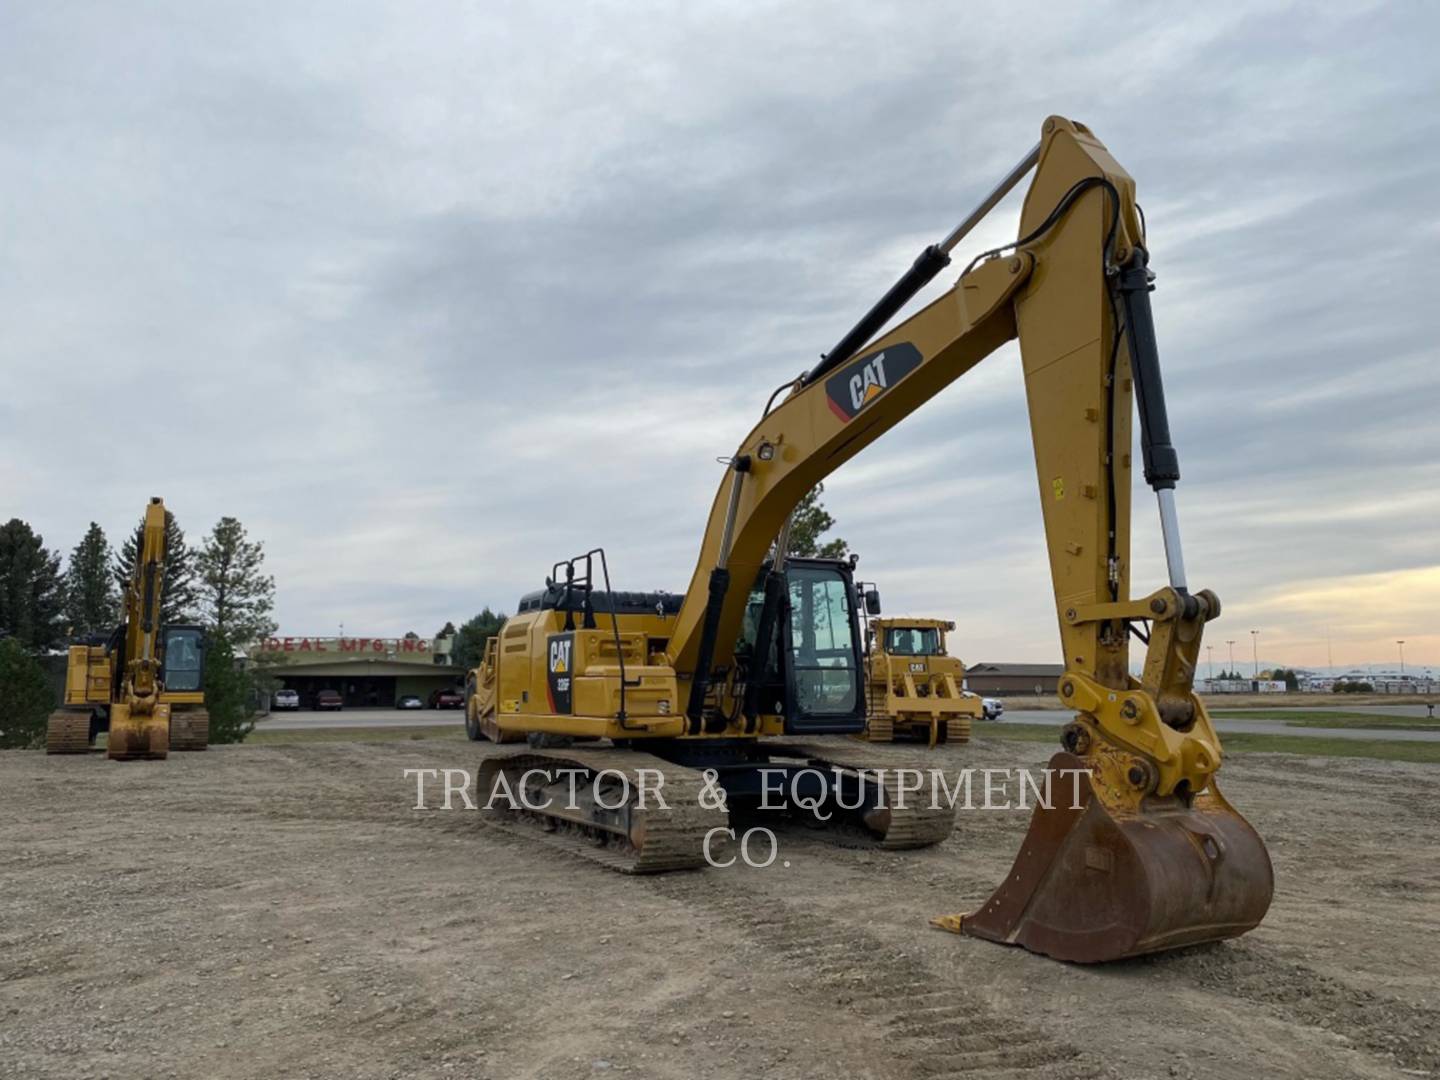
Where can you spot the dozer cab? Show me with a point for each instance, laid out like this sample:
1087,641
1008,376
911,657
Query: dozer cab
144,683
914,689
1149,855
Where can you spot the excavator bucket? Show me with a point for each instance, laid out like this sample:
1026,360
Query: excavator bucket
1092,883
135,735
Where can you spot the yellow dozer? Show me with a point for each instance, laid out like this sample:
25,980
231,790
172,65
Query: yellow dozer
144,683
914,689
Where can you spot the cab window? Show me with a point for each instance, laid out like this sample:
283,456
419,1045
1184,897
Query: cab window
182,659
912,641
822,645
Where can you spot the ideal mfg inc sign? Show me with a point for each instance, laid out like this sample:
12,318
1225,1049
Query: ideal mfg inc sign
345,645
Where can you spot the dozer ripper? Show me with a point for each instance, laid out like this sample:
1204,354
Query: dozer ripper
144,684
914,689
1148,855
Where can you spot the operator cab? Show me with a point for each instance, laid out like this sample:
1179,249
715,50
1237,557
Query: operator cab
182,659
811,676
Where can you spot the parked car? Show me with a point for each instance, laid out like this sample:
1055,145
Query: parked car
328,700
410,701
448,698
285,700
993,707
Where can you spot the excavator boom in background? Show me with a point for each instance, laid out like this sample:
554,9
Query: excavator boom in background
144,683
1149,855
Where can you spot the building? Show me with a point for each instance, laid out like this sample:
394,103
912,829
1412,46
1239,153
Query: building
1031,680
1240,686
366,671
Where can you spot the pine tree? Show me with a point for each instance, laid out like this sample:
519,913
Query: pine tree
31,591
809,521
229,694
469,647
91,602
178,601
237,597
26,697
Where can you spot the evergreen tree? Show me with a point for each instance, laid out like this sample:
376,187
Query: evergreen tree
237,597
26,697
229,693
92,604
469,648
178,602
808,523
31,589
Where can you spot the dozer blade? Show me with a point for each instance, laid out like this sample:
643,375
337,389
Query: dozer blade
138,735
1092,884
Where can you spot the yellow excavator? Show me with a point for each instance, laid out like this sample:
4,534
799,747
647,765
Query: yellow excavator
144,684
1147,854
914,688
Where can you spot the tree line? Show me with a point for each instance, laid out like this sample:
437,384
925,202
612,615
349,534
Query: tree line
220,584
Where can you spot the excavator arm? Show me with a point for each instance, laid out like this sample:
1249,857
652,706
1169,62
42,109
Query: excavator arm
139,720
1155,857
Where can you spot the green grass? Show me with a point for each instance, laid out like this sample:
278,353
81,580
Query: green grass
1424,753
1301,718
262,737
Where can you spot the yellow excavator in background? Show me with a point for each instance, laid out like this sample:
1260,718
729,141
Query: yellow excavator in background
914,689
1148,854
144,685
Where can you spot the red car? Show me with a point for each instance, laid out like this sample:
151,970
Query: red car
447,699
328,699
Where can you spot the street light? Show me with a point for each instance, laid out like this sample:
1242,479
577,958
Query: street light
1231,643
1210,652
1401,643
1255,643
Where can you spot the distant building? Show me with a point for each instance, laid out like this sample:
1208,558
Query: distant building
365,671
1034,680
1241,686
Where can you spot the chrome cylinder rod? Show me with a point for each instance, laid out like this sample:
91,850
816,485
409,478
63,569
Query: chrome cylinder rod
1006,185
1170,532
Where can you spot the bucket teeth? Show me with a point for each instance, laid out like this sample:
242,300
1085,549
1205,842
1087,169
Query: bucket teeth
1092,884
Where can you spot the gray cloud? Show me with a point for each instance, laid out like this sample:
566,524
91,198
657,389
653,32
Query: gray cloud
429,297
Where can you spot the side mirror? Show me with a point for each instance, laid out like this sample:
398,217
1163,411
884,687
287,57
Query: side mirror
872,601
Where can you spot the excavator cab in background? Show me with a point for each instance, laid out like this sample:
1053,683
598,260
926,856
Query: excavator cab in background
1148,855
144,684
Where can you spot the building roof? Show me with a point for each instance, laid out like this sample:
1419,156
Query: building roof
1053,671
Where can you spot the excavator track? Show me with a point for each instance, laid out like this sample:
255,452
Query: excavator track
634,840
190,730
67,733
880,729
911,822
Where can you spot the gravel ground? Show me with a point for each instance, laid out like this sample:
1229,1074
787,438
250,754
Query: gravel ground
281,911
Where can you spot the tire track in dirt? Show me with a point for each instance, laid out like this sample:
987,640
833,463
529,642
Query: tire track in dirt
935,1028
1392,1030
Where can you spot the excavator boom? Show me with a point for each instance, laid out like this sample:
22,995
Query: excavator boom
139,720
1157,858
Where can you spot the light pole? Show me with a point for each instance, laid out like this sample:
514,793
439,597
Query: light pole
1231,643
1255,644
1401,643
1210,652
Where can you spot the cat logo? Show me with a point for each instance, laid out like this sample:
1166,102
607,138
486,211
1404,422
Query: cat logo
868,382
557,680
560,655
857,384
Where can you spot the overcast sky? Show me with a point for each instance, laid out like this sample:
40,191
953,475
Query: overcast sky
431,295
